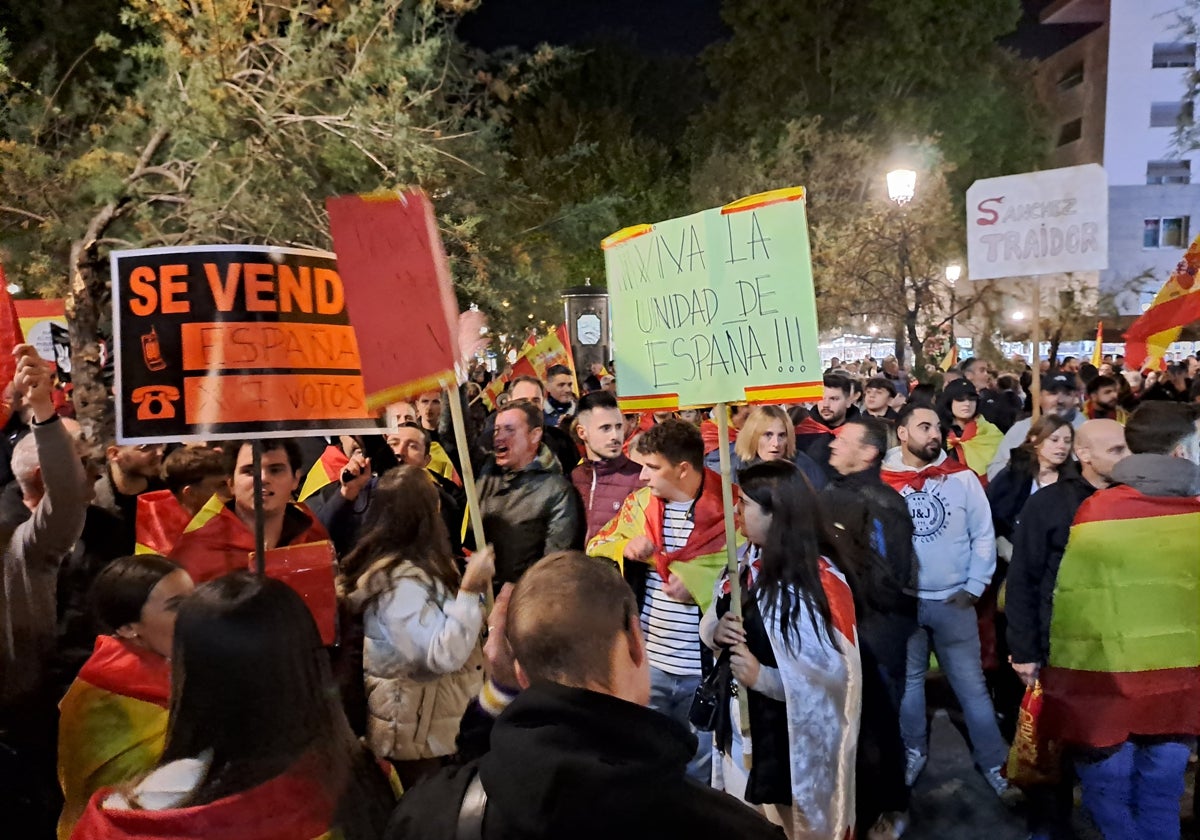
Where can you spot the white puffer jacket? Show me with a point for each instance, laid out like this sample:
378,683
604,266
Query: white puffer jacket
422,660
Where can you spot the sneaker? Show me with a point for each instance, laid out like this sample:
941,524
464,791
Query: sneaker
914,763
999,784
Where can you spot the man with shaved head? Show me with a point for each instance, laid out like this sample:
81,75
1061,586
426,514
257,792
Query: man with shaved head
1041,536
1039,540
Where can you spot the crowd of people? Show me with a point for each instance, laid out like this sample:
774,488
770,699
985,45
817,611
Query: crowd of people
587,672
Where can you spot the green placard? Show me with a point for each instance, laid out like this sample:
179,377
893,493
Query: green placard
716,307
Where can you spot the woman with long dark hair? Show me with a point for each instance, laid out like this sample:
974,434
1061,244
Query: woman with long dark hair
795,650
113,719
257,745
422,656
1042,457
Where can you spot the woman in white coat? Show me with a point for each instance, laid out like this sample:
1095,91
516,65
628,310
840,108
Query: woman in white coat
422,660
795,655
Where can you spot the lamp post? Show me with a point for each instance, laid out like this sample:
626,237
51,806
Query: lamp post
901,187
953,272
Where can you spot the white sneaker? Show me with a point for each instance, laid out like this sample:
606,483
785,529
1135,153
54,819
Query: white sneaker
995,778
914,763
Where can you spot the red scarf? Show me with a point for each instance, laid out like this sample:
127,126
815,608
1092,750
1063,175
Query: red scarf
809,426
708,531
899,479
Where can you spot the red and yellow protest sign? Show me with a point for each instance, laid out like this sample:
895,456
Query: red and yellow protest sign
217,342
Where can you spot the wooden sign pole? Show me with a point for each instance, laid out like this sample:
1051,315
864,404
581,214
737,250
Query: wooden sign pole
260,525
468,473
1036,385
735,583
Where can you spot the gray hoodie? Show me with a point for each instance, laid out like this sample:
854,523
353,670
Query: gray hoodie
1158,475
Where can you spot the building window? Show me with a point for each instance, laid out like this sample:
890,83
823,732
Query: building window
1165,232
1070,132
1174,55
1169,172
1071,78
1169,114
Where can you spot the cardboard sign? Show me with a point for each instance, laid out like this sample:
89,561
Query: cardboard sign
398,291
44,324
311,570
218,342
1038,223
716,307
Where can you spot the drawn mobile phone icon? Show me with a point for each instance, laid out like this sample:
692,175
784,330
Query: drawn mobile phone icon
152,351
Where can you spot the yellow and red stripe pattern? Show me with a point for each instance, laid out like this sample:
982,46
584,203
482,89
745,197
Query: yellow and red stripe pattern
1125,631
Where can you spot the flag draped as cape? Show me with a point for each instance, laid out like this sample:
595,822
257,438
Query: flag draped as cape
1125,630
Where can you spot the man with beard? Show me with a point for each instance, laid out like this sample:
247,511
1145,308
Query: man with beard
606,476
130,472
816,428
1102,400
956,556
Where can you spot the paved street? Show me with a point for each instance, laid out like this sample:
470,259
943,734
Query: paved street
953,802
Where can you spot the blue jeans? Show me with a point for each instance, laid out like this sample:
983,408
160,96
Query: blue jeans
955,636
1134,792
672,695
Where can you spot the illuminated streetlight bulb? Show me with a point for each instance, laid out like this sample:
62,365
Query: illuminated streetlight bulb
873,329
901,185
1018,315
953,272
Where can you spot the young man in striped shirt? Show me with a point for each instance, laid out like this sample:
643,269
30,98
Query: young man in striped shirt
669,538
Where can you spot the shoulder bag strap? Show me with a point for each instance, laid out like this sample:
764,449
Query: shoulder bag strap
470,815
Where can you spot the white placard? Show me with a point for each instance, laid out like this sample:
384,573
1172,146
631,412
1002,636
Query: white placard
1038,223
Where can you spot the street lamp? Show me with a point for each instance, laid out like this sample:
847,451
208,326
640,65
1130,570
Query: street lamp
901,185
953,272
1018,315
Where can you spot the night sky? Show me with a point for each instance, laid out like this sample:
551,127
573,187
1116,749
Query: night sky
683,27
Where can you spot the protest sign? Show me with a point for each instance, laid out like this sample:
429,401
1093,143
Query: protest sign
716,307
44,323
1038,223
218,342
398,290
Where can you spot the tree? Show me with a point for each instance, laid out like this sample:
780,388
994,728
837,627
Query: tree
886,70
871,259
241,117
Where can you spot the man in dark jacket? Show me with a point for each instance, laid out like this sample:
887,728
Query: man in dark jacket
606,476
577,754
1039,539
873,526
528,506
816,428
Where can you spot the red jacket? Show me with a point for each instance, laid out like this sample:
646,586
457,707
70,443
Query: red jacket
603,485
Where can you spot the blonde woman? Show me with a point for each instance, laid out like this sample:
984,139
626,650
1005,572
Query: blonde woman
768,435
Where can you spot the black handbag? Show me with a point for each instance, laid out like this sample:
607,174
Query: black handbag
706,703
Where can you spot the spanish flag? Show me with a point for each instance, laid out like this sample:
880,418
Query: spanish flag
951,357
112,723
1176,305
10,337
1098,350
160,522
1125,630
326,471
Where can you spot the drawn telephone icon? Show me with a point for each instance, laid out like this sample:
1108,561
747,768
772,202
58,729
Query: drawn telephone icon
155,402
